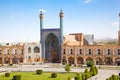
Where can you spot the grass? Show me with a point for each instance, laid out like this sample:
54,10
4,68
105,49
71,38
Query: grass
34,76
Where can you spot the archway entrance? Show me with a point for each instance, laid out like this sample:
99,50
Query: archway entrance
89,59
7,60
108,61
98,61
117,61
71,60
79,60
15,60
51,48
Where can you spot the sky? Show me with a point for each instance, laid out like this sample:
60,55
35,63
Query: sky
19,19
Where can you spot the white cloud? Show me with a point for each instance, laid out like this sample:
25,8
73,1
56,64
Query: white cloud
42,10
115,24
87,1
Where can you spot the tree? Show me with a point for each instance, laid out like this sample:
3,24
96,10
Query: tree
87,75
67,68
83,76
96,69
92,69
90,63
86,71
69,78
78,74
78,78
114,77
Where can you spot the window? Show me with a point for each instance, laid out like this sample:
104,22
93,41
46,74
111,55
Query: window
0,51
64,51
29,50
15,51
36,50
80,51
71,51
89,51
7,51
99,51
108,51
118,51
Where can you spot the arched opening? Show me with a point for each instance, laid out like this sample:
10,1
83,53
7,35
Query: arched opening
79,60
98,61
36,50
89,59
71,60
7,60
117,61
51,48
29,50
15,60
21,60
108,61
37,58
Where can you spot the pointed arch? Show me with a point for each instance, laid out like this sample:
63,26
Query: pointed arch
51,48
117,61
98,61
36,50
89,59
108,61
79,60
29,49
71,60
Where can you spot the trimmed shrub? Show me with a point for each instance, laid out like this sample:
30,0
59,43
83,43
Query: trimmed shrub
78,74
16,77
86,71
69,78
53,75
110,78
90,63
87,75
90,72
7,74
83,76
96,69
77,78
107,79
39,71
114,77
92,69
67,68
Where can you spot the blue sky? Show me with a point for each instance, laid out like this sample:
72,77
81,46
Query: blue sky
19,19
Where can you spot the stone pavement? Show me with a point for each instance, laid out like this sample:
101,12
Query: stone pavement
102,73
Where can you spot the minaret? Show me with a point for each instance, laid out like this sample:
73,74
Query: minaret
61,15
119,31
41,20
41,24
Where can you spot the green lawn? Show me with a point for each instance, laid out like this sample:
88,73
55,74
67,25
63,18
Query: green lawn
33,76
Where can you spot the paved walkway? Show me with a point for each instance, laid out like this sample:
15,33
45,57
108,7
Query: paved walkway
102,73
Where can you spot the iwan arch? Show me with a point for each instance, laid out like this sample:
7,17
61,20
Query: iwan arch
51,40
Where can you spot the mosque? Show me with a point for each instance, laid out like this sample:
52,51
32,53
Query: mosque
73,49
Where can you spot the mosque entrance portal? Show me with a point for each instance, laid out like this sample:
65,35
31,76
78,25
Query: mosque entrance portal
51,48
